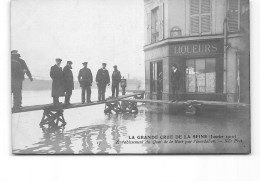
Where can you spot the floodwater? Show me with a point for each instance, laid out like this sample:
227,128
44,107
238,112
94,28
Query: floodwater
90,131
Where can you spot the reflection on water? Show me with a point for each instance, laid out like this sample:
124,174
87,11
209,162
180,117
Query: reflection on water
101,136
99,139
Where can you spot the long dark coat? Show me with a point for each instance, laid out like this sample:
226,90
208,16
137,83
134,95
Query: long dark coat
25,67
57,81
175,78
85,77
102,76
68,78
16,70
116,77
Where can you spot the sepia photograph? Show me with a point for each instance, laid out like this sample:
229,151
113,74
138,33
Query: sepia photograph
130,77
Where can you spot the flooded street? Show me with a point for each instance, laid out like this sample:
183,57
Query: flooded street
90,131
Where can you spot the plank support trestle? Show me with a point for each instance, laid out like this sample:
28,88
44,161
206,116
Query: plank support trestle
52,118
113,106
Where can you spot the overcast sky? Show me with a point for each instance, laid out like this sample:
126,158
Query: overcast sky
79,30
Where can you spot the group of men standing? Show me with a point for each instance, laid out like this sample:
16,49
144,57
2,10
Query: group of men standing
63,82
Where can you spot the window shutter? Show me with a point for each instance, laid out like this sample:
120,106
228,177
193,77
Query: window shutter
200,17
205,6
233,15
149,26
194,7
195,16
205,24
194,25
205,16
161,21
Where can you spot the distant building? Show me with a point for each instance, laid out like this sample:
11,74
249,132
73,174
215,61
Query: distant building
207,39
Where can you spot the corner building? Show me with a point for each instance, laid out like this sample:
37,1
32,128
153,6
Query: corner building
207,39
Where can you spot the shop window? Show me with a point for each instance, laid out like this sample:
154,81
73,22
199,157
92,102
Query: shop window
233,15
201,75
200,17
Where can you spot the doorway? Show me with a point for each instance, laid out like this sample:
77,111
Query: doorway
156,82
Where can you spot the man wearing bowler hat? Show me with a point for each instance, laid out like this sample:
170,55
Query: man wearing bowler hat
102,79
68,81
116,79
57,82
85,79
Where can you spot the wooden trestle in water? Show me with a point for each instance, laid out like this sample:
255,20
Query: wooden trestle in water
53,114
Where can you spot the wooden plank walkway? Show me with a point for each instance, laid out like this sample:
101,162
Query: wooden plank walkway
190,102
154,101
72,105
195,103
217,103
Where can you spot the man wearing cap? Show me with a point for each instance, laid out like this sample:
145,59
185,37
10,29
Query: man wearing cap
57,82
23,65
16,80
102,79
85,79
175,80
68,81
116,79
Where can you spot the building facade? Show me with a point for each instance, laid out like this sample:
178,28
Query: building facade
209,42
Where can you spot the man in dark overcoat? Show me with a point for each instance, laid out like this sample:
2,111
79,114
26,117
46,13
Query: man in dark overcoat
24,67
68,81
116,79
16,81
57,82
85,79
175,80
102,79
15,56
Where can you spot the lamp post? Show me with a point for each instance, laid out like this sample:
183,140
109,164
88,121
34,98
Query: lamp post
123,85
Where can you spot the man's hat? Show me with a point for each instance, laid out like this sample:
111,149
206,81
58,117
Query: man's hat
58,59
84,63
175,65
104,64
15,52
115,66
69,62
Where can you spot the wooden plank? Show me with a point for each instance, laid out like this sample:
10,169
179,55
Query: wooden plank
153,101
73,105
190,102
217,103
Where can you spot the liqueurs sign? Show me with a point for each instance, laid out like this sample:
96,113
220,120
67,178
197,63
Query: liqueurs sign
207,48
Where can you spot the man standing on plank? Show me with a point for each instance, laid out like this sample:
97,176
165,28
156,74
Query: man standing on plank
116,79
18,78
102,79
85,79
68,82
57,82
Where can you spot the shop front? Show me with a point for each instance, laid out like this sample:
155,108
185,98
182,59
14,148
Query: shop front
200,63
